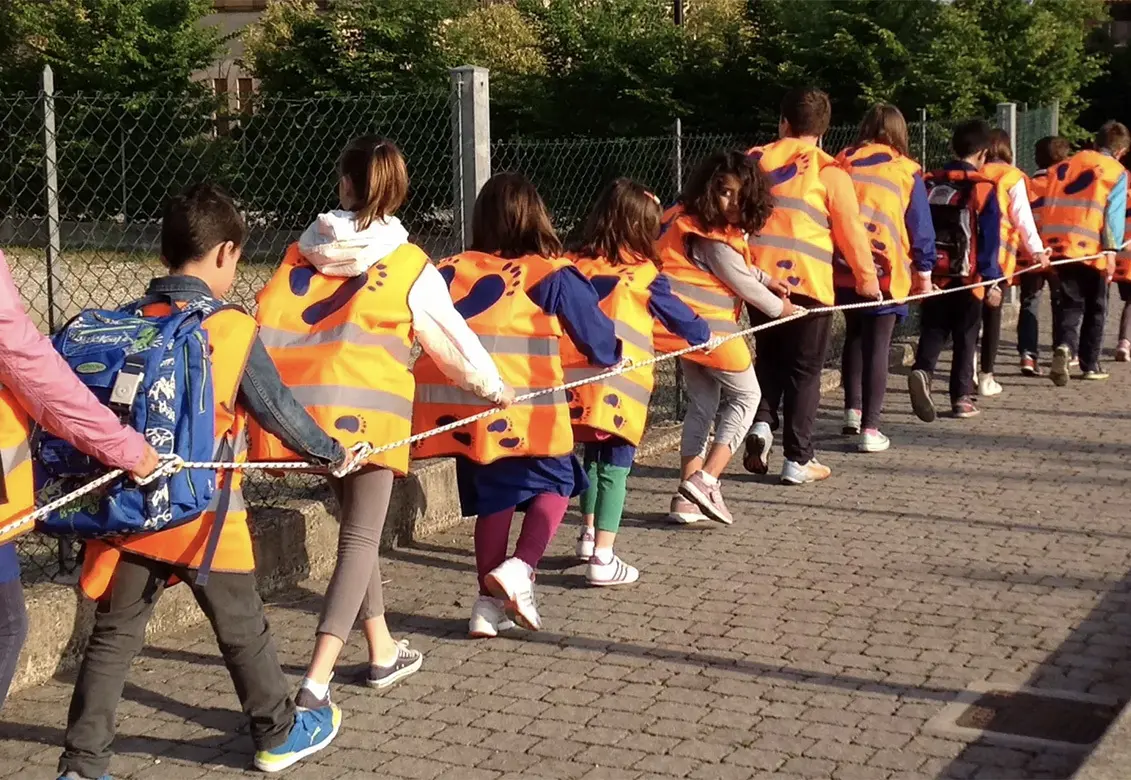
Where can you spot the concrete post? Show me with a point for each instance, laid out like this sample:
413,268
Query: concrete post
471,143
1007,121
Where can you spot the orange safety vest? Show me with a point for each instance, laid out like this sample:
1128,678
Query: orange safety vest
343,347
983,190
796,243
18,495
1123,259
1037,186
1072,220
230,336
883,179
524,342
618,405
1006,176
703,292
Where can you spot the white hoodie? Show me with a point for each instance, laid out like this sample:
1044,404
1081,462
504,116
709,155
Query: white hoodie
335,246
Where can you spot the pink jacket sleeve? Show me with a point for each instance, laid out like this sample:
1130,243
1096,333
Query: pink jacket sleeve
51,394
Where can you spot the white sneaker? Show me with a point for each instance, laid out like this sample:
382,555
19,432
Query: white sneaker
684,511
586,544
873,441
759,442
488,618
988,386
852,418
1123,351
798,474
513,582
615,572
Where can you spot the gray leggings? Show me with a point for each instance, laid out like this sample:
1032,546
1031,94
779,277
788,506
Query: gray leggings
355,587
727,398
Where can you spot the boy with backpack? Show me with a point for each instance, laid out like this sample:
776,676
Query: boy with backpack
969,231
201,238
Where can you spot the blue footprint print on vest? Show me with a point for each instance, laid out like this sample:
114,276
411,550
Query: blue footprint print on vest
1080,183
484,294
335,302
604,285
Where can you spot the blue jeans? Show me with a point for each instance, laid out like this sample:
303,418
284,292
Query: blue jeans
13,632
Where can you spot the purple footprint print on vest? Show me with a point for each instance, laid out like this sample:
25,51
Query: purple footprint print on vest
604,285
336,301
498,426
879,245
785,265
1080,183
783,174
794,280
463,437
299,279
510,443
612,399
1061,171
618,421
484,294
348,423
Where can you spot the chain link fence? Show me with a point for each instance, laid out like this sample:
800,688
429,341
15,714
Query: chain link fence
80,206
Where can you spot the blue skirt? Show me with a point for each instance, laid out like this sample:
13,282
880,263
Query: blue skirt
846,296
509,482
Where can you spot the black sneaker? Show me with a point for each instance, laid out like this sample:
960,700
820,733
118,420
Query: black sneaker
919,388
407,662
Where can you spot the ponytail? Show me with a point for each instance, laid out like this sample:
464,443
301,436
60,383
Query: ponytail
378,176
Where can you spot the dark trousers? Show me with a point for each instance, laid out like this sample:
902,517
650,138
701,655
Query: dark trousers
1028,319
13,632
1083,308
1125,317
789,361
864,364
955,316
991,336
231,603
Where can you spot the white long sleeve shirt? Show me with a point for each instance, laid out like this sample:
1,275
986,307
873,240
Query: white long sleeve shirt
335,247
1021,214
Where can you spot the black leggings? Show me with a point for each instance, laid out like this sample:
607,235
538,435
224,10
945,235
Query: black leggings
991,336
13,631
864,364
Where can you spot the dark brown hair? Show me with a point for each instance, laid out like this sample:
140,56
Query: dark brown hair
700,193
1001,147
1050,150
807,110
195,222
378,176
884,124
510,220
624,224
970,137
1114,137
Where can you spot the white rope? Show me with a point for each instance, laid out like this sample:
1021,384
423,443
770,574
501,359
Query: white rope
359,453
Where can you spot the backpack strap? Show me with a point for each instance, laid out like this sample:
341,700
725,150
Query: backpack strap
223,453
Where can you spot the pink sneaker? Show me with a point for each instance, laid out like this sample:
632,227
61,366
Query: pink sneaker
709,498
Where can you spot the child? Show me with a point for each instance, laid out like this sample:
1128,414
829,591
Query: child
1123,280
201,236
36,383
815,214
351,360
968,219
519,295
1021,240
1085,214
703,250
893,205
1049,151
618,256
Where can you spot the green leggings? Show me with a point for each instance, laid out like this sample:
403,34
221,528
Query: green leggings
608,482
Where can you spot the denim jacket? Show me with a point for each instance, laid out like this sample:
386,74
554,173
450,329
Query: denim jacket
262,392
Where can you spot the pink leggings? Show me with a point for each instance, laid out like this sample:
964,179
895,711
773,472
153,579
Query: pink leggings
540,523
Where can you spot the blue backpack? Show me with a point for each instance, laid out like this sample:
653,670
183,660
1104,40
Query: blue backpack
156,374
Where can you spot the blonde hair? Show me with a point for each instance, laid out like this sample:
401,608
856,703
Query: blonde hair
378,177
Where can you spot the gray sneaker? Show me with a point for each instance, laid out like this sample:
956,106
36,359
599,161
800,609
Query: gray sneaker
407,662
709,498
1061,362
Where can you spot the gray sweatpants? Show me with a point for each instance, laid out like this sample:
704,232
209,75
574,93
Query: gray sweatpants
355,587
729,399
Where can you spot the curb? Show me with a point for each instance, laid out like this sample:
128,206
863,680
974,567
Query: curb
1112,754
293,542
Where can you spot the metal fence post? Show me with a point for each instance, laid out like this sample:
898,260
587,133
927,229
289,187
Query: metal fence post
54,282
923,137
1054,119
1007,121
471,142
678,152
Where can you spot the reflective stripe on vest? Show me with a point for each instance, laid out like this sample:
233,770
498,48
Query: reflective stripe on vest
347,332
1074,230
519,345
797,204
875,215
722,326
876,181
628,334
794,245
1068,203
14,457
457,396
621,383
689,291
365,398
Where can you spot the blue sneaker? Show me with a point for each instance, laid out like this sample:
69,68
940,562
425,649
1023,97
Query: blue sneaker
316,725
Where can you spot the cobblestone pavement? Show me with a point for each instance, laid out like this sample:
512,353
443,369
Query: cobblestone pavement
813,639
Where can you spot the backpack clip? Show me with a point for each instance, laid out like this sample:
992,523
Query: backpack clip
127,384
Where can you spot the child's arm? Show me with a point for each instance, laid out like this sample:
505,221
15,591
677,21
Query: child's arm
445,335
748,283
674,314
989,239
848,230
1115,216
1021,215
52,395
921,232
569,296
271,404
